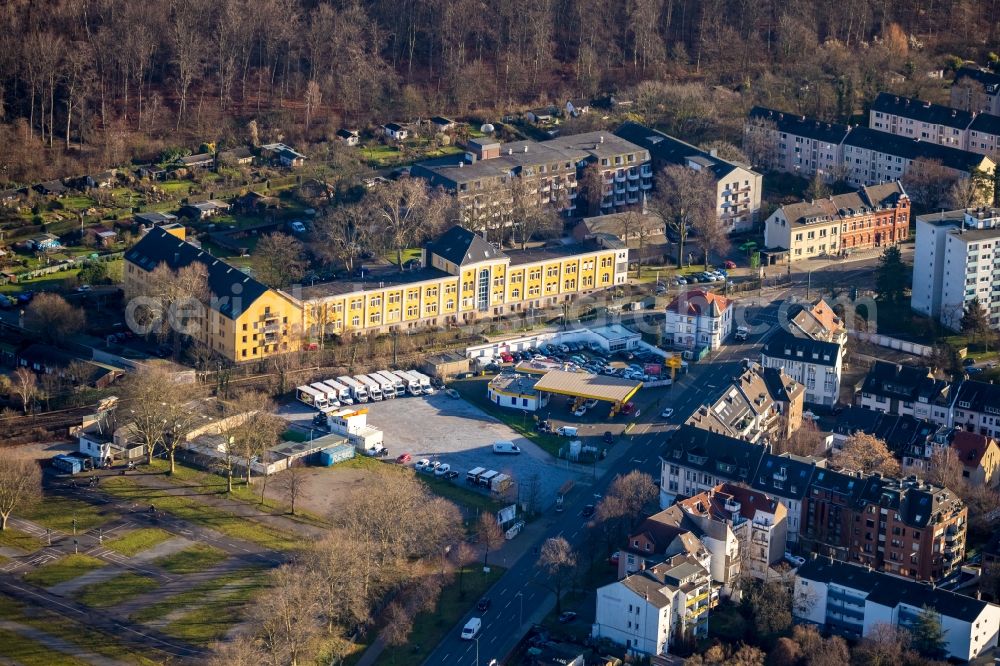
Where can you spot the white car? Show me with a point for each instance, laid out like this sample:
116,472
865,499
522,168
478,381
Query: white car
590,404
433,467
580,411
422,464
667,413
441,470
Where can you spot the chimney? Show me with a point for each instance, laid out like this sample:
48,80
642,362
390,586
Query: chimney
177,257
526,149
602,138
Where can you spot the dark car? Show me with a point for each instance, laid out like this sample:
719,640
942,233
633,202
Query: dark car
451,475
588,511
608,437
483,605
974,371
968,361
567,617
25,297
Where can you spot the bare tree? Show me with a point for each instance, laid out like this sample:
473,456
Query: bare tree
713,236
171,302
187,19
20,484
929,182
159,412
287,616
405,211
684,200
590,188
278,260
557,559
53,319
866,453
806,441
490,535
240,650
51,385
292,484
255,428
342,235
945,469
759,142
26,387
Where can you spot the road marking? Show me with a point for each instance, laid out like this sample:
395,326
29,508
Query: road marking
507,604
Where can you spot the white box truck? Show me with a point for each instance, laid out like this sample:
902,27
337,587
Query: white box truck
332,401
397,384
310,396
508,448
425,382
358,390
412,383
374,388
343,393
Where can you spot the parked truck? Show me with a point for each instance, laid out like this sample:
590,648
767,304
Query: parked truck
343,393
412,383
397,384
374,388
358,390
425,382
472,476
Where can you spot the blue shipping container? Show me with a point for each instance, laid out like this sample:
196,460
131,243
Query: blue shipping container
335,454
67,464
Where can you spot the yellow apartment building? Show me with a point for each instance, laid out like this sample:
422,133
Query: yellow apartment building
245,320
463,278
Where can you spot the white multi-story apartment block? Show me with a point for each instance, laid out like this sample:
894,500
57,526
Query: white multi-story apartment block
698,318
917,119
817,364
852,600
859,156
649,610
959,255
738,187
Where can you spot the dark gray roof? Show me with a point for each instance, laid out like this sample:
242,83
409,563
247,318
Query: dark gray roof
232,289
846,485
798,472
241,152
990,80
786,346
725,457
912,149
986,123
903,434
889,590
903,382
979,396
461,246
664,148
394,127
925,112
51,187
155,218
810,128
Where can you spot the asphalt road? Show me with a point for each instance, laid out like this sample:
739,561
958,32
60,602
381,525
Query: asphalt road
524,594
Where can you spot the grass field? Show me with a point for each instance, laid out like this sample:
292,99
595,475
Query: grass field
86,637
212,620
62,570
430,627
53,282
408,254
198,557
115,591
58,513
11,538
32,653
139,540
243,580
200,513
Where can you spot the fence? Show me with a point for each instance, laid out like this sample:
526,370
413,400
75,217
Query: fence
67,265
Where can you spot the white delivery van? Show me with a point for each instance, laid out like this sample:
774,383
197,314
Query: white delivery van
742,333
471,628
506,448
566,431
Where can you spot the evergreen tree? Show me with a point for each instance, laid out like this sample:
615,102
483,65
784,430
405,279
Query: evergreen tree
892,276
818,189
928,636
975,320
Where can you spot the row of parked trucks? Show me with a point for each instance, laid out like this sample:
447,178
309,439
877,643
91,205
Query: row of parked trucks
374,386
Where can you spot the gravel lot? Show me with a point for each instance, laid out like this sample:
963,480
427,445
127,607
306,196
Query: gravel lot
454,432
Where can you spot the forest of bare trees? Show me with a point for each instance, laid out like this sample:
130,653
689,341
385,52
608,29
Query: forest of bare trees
121,78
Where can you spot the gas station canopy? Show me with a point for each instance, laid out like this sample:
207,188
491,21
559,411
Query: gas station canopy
587,385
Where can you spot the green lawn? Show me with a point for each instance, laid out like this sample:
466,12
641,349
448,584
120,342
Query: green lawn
245,581
31,653
474,391
51,282
86,637
175,186
212,620
191,560
78,202
430,627
199,513
139,540
11,538
115,591
408,253
62,570
58,513
458,494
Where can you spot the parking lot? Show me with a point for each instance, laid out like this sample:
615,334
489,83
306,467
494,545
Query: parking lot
455,432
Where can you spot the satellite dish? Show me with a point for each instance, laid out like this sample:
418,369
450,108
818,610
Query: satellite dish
487,129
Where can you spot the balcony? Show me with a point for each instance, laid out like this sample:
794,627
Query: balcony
620,177
646,186
633,174
632,187
633,199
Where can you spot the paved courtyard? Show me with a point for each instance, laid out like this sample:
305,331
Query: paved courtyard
453,431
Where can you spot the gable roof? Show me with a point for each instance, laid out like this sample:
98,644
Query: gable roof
925,112
978,395
231,289
912,149
790,123
665,148
989,80
971,447
888,590
785,475
903,434
838,206
347,134
784,345
460,246
720,455
893,380
698,302
986,123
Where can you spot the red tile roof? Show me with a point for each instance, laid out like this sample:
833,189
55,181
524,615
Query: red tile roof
970,447
697,301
